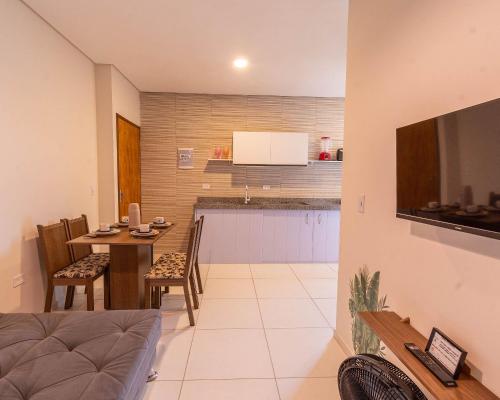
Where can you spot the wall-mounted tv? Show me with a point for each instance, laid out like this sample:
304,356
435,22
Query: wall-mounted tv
448,170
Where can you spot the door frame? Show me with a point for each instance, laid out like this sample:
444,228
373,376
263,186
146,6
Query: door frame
118,117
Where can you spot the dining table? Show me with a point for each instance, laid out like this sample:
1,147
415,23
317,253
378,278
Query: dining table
130,258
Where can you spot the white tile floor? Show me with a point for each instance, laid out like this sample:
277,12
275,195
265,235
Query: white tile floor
263,332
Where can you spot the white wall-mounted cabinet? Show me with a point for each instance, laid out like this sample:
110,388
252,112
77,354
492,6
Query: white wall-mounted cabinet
272,236
251,148
270,148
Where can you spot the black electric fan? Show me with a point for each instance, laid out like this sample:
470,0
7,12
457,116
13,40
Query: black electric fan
369,377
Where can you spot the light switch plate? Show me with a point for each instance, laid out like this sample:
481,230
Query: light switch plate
205,186
17,280
361,203
266,187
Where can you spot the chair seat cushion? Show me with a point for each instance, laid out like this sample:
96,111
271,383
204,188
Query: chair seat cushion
88,267
168,266
77,355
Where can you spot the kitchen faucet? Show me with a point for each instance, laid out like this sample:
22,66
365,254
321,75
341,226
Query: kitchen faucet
247,197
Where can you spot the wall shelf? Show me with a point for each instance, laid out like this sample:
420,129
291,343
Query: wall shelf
395,332
310,162
324,162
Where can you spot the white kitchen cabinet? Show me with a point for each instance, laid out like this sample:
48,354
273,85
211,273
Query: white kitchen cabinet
299,236
273,236
270,148
306,236
326,236
248,236
218,241
289,148
252,148
231,236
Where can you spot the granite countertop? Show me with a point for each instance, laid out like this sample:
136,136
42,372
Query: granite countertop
268,203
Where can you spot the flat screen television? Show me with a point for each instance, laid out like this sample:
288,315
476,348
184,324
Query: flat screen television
448,170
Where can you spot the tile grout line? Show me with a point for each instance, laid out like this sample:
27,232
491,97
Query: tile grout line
265,334
312,299
192,339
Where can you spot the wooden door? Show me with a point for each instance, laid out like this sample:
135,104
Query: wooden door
128,136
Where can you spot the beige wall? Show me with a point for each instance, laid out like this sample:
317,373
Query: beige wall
408,61
114,95
48,168
172,120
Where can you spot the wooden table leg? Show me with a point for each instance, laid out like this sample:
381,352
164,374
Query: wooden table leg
129,263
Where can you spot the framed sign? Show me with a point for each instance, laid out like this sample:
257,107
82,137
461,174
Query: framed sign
185,158
446,353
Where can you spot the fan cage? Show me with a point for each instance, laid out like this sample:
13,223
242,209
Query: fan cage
369,377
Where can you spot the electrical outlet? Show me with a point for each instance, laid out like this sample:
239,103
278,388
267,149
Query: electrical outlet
361,203
17,280
205,186
266,187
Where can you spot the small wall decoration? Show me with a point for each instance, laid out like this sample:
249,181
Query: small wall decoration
185,158
364,297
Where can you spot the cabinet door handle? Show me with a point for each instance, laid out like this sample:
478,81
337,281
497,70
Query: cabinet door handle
319,219
307,218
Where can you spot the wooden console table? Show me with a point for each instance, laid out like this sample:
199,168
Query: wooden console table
394,332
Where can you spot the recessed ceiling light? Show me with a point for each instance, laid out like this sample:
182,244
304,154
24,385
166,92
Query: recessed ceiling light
240,63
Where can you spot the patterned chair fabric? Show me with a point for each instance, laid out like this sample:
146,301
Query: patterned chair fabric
88,267
168,266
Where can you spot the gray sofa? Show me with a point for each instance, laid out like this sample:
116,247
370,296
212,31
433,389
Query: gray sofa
77,355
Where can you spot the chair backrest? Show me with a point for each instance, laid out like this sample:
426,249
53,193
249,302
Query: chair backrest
78,227
198,237
55,253
494,197
188,266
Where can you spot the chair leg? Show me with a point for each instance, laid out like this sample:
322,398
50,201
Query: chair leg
90,295
107,294
167,289
196,304
48,297
198,277
188,303
70,295
156,296
147,294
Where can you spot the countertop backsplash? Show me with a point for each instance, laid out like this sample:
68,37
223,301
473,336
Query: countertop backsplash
202,122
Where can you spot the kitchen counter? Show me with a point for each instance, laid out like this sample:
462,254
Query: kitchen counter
268,203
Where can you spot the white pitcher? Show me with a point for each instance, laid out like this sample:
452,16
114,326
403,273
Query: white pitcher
134,215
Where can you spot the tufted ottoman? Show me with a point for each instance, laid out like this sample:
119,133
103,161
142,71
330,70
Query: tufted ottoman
77,355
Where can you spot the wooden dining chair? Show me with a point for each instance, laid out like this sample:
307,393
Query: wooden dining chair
60,269
197,248
77,227
173,270
182,256
494,197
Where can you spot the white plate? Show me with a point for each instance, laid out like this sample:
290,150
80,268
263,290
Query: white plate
106,233
164,225
151,233
122,224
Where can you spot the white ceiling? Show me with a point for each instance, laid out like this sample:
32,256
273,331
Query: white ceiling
295,47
